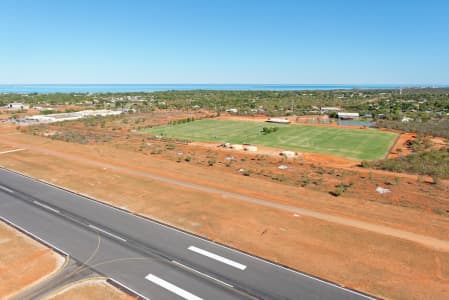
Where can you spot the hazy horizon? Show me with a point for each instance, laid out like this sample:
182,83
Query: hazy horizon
135,88
233,83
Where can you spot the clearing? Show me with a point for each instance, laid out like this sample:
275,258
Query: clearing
358,144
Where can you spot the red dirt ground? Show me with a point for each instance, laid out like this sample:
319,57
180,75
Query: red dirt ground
23,262
92,289
372,262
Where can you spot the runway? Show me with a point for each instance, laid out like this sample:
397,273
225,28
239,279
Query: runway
153,260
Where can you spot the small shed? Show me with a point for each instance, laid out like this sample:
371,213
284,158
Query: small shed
278,120
347,116
237,146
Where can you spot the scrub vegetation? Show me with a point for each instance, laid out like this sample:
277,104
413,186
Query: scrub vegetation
433,163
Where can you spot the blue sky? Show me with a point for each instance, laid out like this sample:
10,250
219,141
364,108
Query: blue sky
245,41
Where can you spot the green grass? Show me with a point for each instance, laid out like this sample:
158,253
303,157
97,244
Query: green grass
357,144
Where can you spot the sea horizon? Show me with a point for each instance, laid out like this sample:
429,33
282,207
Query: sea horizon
48,88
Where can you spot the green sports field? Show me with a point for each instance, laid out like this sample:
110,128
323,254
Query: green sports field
356,144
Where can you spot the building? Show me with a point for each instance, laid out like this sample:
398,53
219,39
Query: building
406,119
17,106
71,116
329,109
99,112
348,116
278,120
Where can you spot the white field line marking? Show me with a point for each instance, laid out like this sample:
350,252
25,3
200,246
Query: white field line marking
106,232
172,288
10,151
51,185
201,273
46,206
6,189
128,288
34,236
217,257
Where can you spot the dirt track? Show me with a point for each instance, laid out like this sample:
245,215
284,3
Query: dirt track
432,242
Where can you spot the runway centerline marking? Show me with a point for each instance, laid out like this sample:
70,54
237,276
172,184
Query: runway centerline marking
46,207
106,232
217,257
6,189
11,151
171,287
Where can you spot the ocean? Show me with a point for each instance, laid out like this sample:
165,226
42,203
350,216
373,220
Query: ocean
123,88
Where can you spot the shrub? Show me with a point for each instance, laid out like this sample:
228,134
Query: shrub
246,173
340,189
305,181
268,130
156,151
436,179
434,127
439,211
47,112
434,163
337,192
212,161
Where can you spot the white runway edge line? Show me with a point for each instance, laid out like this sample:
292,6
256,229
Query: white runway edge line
253,257
304,275
128,288
46,207
201,273
34,236
218,258
11,151
172,288
6,189
106,232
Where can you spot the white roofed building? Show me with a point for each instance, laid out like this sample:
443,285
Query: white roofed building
347,116
17,106
278,120
327,109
